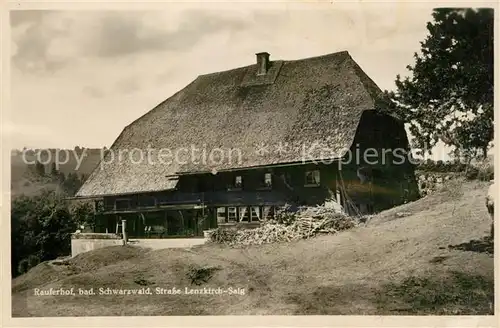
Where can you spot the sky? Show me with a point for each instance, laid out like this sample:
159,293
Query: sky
79,77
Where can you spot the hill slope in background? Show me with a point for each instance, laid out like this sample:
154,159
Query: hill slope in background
432,259
24,179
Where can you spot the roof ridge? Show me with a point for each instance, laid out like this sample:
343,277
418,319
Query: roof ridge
343,52
338,53
225,71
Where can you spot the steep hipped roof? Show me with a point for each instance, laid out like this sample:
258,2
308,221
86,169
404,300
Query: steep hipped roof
314,103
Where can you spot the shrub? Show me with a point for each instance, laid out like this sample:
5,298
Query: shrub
461,167
441,167
33,261
22,267
472,173
83,214
486,173
41,228
200,275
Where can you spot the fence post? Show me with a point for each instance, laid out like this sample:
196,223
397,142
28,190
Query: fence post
124,231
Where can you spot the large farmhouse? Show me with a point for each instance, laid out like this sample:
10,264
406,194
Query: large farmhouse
233,146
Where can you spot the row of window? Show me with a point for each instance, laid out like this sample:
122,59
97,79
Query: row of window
233,214
311,179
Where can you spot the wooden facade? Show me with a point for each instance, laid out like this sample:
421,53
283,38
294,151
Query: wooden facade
327,100
361,184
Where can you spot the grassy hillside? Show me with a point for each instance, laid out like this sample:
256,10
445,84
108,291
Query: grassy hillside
25,181
427,257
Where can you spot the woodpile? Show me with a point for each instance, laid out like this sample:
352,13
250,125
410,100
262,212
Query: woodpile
306,223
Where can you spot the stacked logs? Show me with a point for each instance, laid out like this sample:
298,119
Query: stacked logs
306,223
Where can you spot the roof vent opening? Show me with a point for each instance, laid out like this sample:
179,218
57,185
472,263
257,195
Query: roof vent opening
262,63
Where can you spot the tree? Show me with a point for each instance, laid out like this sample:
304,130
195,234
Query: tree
83,214
54,172
449,96
40,168
61,178
71,184
41,228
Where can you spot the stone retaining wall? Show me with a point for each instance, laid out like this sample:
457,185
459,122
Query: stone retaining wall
429,182
85,242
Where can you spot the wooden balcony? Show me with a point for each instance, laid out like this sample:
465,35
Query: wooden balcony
180,200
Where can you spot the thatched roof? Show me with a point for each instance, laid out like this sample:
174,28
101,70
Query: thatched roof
296,103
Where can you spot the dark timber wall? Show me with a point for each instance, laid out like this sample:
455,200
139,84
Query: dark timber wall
374,176
388,164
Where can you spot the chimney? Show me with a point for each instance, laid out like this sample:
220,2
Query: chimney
262,63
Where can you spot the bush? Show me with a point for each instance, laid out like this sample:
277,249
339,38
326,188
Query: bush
23,266
41,228
483,172
459,167
200,275
472,173
83,214
33,261
486,173
441,167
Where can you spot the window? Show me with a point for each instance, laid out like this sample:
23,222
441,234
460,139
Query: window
268,181
267,212
99,205
231,214
238,182
254,214
244,215
312,178
221,215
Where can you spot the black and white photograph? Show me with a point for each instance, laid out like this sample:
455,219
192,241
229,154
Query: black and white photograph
249,159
